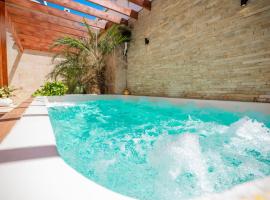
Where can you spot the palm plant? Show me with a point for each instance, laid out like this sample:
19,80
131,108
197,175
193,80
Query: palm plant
82,60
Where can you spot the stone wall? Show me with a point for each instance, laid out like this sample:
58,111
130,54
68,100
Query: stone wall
27,71
202,49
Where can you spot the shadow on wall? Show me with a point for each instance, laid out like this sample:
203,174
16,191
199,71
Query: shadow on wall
115,73
28,153
28,73
15,65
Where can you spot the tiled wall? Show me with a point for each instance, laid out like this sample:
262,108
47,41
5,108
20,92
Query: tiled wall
202,49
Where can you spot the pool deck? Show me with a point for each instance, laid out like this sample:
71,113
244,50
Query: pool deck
31,169
10,115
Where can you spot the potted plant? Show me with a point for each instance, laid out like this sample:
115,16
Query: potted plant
5,94
82,64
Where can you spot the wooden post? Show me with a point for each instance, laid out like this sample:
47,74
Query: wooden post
143,3
3,46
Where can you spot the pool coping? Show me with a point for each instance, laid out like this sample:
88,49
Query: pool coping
30,148
235,106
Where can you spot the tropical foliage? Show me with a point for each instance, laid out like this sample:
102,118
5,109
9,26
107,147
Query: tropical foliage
51,89
81,62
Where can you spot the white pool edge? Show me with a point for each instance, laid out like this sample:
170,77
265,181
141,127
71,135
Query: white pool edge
47,177
235,106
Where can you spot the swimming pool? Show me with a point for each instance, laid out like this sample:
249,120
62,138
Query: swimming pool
162,149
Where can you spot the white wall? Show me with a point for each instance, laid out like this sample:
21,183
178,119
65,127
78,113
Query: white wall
27,71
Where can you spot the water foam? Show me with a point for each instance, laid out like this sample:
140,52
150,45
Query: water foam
176,155
150,153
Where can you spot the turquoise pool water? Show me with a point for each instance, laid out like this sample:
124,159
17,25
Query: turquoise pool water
161,151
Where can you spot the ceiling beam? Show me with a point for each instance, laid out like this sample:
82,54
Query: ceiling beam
44,45
39,32
39,44
46,26
15,11
35,39
113,6
143,3
42,48
89,10
53,11
3,46
13,31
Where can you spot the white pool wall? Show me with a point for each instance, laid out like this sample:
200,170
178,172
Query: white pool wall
234,106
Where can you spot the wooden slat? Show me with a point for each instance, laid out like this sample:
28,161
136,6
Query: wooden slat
113,6
46,26
143,3
43,45
39,32
88,10
35,39
38,44
53,11
14,32
31,42
28,14
3,46
30,33
42,48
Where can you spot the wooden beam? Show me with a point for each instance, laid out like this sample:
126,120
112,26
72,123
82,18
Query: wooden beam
40,44
39,32
53,11
36,43
34,39
89,10
41,17
42,47
14,32
113,6
143,3
46,26
40,35
3,46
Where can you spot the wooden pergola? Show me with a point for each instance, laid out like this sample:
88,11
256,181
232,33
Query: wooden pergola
35,26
